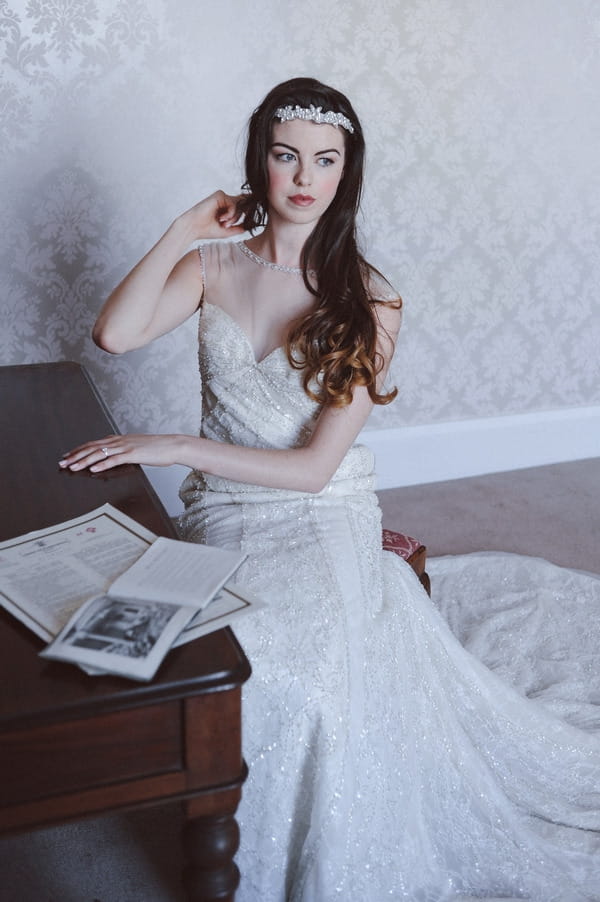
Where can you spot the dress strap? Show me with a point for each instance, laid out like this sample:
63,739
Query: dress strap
202,269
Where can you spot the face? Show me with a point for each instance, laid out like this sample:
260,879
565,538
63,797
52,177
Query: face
305,166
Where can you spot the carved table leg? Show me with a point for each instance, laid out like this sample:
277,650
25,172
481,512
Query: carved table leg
209,844
214,758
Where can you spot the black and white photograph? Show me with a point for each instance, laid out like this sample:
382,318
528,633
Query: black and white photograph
118,627
113,635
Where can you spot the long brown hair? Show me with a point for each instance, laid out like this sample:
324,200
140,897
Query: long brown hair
335,344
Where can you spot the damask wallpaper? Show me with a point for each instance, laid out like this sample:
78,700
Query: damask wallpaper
482,202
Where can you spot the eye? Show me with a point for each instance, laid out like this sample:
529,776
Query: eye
285,157
325,161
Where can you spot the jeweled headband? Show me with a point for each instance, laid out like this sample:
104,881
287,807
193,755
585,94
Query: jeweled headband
314,114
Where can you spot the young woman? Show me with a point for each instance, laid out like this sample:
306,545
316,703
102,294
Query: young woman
386,761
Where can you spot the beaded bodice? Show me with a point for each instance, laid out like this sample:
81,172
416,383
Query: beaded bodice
260,403
252,402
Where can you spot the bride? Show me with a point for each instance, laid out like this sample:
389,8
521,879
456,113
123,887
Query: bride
398,748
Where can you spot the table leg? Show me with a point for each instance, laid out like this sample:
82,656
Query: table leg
214,757
210,873
209,845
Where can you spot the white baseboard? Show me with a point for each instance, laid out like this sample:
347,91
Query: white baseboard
413,455
436,452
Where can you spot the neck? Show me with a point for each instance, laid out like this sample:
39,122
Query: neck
281,243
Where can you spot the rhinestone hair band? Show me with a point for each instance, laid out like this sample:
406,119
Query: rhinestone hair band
314,114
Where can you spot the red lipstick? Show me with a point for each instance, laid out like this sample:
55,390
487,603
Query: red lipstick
302,200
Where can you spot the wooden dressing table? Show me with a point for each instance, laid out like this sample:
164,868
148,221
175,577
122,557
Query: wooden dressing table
72,745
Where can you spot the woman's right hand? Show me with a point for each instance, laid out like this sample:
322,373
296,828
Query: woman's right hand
217,216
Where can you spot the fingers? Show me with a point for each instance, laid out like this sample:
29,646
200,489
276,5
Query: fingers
96,456
217,216
228,214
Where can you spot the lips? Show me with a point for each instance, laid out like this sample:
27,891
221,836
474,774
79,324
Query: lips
302,200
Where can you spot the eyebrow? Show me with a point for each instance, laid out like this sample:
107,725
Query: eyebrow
295,149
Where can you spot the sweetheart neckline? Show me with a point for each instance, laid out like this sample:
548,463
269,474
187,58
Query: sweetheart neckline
244,335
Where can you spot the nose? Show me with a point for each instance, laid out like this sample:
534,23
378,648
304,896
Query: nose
303,174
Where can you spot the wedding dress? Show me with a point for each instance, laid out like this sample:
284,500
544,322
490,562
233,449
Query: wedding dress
399,747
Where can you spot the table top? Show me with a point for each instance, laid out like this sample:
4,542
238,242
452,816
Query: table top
46,409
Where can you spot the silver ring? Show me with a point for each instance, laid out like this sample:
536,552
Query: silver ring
104,451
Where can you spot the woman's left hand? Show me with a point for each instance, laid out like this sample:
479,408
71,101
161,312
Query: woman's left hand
113,450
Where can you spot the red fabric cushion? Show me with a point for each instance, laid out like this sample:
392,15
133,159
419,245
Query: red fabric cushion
399,543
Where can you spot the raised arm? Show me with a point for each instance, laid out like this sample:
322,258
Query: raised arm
306,469
164,288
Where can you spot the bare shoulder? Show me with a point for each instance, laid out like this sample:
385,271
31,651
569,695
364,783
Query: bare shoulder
217,262
380,288
190,265
386,301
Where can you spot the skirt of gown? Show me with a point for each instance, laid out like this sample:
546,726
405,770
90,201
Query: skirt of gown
402,747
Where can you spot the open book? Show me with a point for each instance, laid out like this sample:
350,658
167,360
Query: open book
111,596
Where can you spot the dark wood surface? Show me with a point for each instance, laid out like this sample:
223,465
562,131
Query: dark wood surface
74,745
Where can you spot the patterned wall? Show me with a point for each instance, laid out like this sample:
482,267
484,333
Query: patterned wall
483,191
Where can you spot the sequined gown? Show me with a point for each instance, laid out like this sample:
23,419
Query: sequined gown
399,747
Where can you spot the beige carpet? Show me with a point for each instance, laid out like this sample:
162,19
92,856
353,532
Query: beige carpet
551,512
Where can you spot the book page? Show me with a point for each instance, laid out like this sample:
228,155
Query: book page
116,635
228,605
47,574
178,572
